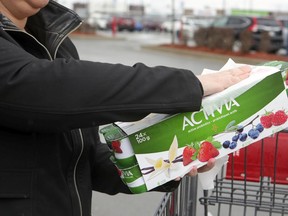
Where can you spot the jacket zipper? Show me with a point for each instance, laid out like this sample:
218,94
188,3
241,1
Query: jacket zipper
60,42
75,171
50,57
65,36
79,130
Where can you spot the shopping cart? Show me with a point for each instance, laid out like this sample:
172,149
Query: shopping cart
255,179
182,202
254,182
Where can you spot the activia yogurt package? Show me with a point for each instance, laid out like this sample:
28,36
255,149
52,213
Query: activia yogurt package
160,148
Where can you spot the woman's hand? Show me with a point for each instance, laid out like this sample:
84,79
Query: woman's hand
210,164
194,171
216,82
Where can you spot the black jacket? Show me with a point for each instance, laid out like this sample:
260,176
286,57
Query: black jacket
48,165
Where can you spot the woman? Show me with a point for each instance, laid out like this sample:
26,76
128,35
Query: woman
51,104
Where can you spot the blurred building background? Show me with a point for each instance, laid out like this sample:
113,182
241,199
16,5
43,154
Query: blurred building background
99,10
182,18
165,7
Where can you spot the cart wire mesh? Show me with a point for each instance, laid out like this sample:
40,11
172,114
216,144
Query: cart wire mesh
255,179
253,182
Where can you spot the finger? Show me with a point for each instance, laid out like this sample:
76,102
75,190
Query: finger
193,171
246,71
210,164
237,75
238,71
243,71
245,68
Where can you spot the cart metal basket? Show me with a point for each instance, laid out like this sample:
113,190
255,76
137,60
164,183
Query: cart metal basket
254,182
255,178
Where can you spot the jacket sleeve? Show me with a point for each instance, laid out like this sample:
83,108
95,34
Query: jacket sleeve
39,94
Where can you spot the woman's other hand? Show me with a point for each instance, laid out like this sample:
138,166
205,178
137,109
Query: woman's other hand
194,171
217,82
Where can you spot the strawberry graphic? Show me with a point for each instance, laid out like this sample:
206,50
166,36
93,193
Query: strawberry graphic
279,118
207,150
116,146
188,154
266,119
119,172
203,152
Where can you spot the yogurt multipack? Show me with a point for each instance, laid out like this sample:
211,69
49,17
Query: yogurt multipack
160,148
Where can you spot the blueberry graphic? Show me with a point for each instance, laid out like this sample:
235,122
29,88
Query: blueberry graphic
240,129
226,144
259,127
235,137
242,137
253,133
233,145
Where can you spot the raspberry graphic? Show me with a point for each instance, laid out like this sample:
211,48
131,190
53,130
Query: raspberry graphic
279,118
266,119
